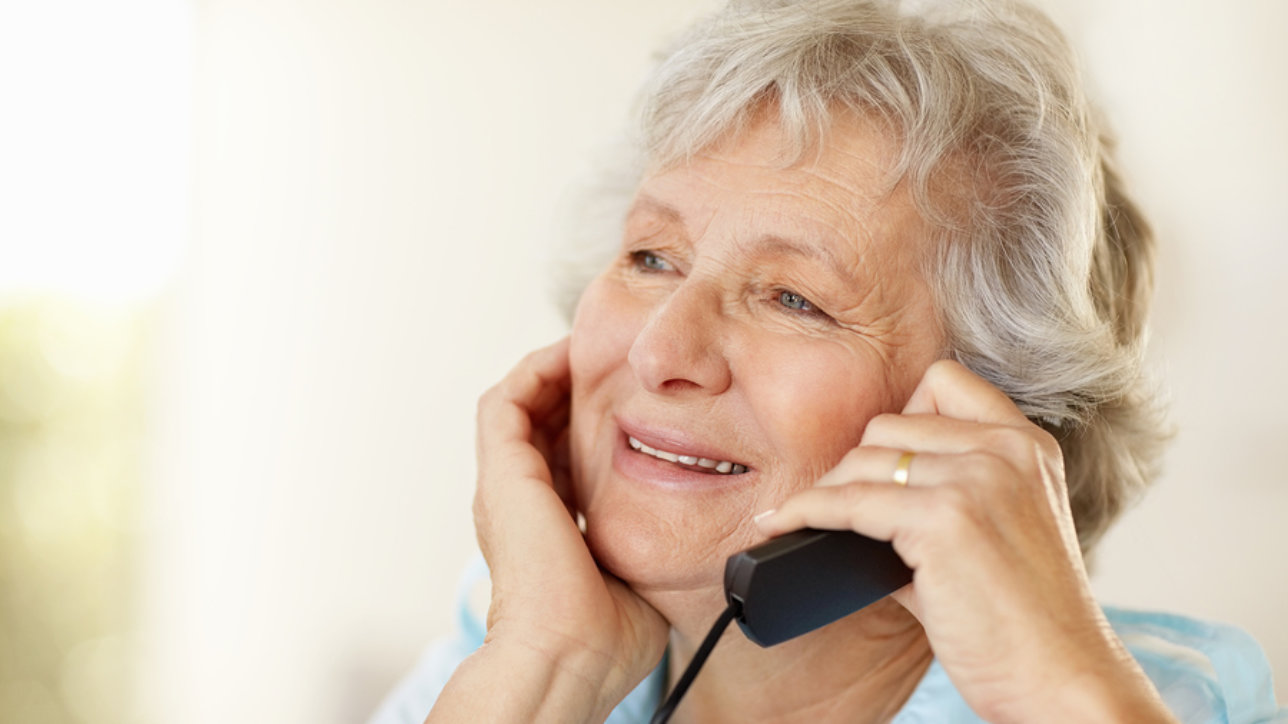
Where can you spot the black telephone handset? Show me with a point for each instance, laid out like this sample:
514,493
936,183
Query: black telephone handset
809,578
794,584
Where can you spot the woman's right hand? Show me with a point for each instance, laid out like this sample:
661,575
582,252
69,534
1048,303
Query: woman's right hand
565,641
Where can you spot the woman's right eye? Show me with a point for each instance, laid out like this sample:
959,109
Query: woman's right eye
646,260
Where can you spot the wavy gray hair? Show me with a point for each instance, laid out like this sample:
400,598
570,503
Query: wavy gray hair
1042,270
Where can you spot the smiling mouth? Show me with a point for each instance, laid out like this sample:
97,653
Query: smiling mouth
704,465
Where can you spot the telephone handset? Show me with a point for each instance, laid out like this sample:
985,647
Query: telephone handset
794,584
807,579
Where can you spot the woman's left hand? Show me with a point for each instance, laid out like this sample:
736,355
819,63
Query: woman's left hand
999,583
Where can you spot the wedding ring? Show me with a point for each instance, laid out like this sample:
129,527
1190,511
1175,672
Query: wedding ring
901,468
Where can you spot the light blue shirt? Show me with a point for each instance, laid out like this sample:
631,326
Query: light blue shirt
1207,673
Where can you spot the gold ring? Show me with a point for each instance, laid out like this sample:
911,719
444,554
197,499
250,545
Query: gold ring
901,468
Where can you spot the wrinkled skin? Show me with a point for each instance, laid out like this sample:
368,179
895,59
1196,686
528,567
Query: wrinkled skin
774,316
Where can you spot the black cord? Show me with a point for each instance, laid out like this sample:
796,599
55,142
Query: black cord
667,708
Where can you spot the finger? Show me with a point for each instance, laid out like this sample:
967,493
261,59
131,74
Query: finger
533,391
948,388
936,433
877,466
548,430
877,510
540,382
561,472
520,418
866,463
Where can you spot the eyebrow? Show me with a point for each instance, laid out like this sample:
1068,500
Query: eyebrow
773,244
645,203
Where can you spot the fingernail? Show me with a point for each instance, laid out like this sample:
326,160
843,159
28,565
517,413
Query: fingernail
761,517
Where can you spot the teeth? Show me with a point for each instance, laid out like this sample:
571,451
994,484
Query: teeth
720,466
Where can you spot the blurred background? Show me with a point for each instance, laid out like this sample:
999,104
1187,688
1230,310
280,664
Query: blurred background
259,257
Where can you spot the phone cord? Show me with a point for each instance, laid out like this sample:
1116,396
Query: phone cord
667,708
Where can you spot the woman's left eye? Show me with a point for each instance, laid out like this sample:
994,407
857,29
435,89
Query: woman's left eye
792,300
649,261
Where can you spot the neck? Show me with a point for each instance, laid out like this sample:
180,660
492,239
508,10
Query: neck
859,669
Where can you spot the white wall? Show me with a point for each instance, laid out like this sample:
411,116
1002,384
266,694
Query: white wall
374,188
1196,95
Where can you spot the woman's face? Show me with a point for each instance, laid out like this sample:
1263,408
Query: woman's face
754,321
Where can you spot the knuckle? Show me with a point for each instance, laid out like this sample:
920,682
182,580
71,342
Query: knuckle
1047,445
1009,441
1021,447
488,399
852,456
942,371
533,357
1027,450
849,495
878,427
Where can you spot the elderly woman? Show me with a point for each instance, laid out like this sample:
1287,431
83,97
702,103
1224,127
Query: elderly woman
877,274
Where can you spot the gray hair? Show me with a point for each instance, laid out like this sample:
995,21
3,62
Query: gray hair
1042,269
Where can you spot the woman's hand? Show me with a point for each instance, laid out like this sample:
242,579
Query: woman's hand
984,522
565,641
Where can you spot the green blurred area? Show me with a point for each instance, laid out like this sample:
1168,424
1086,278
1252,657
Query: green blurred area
71,431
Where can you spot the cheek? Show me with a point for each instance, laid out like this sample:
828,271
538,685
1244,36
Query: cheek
603,330
814,403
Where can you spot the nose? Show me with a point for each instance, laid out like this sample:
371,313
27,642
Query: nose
679,349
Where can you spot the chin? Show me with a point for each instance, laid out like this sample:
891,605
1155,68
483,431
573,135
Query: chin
665,545
656,525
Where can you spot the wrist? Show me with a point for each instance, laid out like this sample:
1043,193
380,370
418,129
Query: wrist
525,679
1105,687
1118,691
574,671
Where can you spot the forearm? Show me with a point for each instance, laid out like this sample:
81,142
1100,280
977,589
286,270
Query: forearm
511,682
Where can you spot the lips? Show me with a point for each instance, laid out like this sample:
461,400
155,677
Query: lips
718,467
675,454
